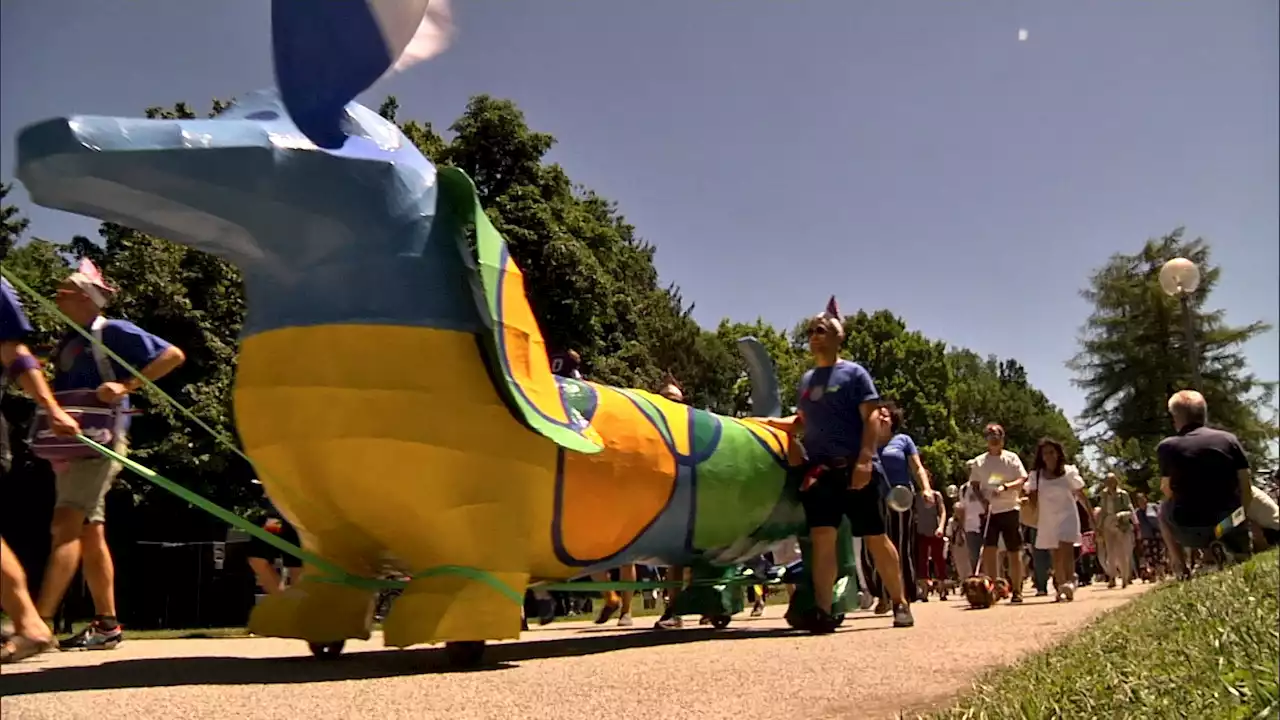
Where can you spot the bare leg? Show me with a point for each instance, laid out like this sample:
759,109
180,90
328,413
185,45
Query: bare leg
1063,568
1015,571
64,558
268,579
823,573
1177,562
627,573
15,600
99,570
991,562
888,567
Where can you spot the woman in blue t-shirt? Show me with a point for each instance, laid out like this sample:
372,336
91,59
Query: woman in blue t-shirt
902,467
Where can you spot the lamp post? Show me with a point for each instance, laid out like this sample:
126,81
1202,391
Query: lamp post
1180,277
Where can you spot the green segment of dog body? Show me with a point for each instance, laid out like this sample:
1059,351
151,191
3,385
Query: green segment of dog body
331,572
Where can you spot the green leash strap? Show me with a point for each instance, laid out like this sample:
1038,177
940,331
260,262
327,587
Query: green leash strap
334,573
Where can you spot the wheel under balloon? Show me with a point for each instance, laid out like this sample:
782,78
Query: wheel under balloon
465,655
327,650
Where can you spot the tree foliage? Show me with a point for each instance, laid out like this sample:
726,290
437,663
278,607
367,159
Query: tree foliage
1134,355
592,284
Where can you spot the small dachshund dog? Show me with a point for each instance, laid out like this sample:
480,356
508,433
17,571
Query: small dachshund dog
980,591
941,588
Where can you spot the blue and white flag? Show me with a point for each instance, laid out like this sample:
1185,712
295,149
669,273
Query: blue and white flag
326,52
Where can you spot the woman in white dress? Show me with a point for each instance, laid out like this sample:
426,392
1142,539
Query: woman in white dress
1056,488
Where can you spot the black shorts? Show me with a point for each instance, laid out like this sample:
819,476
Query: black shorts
830,500
267,551
1008,524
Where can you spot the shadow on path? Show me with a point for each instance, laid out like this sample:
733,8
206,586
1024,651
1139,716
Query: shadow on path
179,671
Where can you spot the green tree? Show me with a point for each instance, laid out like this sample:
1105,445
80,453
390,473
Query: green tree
12,224
1133,356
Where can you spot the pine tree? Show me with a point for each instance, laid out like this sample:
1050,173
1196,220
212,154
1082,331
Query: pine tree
1134,355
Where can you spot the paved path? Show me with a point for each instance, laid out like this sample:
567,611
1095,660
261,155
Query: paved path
574,671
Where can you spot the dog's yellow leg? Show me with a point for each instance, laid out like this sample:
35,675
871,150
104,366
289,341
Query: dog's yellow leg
319,609
316,611
457,604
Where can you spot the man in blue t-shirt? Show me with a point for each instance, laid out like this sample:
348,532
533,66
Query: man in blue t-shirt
82,485
839,417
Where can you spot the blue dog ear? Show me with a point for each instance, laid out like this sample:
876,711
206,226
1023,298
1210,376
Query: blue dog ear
329,51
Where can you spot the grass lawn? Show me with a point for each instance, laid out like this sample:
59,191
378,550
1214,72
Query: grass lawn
1208,648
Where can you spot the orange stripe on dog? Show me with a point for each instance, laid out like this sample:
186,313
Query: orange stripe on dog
525,350
608,499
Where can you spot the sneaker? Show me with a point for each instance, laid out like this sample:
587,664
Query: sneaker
606,612
1016,599
902,615
882,607
820,622
1069,592
757,611
669,623
865,601
1042,593
624,620
94,637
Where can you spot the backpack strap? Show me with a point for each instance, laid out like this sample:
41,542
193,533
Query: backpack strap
105,372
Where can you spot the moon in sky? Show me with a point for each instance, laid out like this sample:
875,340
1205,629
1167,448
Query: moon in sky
1022,35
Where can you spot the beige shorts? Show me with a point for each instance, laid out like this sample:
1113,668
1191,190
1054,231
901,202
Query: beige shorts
83,484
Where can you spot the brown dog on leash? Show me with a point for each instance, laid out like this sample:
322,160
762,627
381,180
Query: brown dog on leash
981,592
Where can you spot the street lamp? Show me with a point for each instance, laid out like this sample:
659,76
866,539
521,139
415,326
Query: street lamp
1180,277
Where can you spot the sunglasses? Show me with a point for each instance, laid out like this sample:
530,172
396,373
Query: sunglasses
995,435
817,330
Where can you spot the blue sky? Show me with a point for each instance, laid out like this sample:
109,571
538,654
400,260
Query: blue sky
898,153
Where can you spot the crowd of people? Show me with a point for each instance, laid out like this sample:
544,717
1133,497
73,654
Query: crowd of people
852,457
1005,521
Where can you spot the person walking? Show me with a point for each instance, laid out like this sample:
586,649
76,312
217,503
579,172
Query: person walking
956,547
79,515
1056,488
931,557
1115,524
30,634
901,460
1000,475
1041,559
840,419
971,516
1150,544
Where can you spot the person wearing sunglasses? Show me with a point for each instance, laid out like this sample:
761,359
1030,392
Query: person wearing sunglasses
840,418
999,475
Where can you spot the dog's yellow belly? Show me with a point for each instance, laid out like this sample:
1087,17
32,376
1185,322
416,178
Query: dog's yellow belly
390,443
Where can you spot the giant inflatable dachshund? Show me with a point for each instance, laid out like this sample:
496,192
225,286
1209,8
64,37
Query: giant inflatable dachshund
393,387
